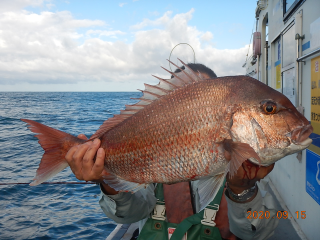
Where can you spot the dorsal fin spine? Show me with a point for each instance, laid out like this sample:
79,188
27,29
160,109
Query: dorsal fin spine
158,88
186,65
142,99
170,83
166,81
128,112
135,107
192,79
151,93
175,75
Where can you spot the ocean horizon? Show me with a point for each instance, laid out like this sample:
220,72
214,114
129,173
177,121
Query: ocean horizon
64,211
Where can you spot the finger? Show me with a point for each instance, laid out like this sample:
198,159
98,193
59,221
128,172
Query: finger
98,167
70,160
82,136
264,171
69,155
270,168
250,170
78,159
88,160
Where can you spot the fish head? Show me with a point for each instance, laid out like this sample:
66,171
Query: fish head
270,124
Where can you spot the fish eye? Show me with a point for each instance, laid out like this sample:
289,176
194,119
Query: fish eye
269,107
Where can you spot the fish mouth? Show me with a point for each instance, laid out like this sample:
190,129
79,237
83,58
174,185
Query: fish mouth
300,138
306,143
297,147
291,149
294,148
300,135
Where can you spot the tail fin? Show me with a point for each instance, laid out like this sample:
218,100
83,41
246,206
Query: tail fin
56,144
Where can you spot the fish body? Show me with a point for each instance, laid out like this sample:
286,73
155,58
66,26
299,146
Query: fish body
187,128
180,136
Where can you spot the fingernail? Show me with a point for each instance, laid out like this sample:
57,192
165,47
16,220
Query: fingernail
96,141
100,151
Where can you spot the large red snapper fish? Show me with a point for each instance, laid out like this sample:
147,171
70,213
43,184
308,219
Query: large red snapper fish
187,128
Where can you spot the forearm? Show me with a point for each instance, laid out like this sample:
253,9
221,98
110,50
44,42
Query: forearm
126,207
107,190
247,227
242,194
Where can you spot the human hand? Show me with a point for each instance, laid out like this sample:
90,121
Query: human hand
247,176
81,160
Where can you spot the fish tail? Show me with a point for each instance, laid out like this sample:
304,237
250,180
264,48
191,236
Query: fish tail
55,144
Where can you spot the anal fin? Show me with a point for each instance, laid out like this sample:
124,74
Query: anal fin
208,188
122,185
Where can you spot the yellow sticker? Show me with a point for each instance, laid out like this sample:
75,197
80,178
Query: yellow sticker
278,76
315,95
315,100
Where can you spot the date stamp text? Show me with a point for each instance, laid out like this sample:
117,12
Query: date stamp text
280,214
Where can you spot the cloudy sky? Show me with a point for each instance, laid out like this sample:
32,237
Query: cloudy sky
100,45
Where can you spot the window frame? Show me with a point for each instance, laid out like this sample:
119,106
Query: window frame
290,11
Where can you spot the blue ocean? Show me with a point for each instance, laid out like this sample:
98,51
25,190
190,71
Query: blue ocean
63,211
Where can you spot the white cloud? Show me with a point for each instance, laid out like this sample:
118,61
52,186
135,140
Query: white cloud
104,33
207,36
14,5
50,48
122,4
162,21
50,5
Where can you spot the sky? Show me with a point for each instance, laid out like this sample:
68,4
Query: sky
110,45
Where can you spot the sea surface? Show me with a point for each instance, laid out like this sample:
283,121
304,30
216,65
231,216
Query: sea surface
64,211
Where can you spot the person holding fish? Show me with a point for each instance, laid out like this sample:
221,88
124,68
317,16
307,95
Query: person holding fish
242,195
128,208
189,134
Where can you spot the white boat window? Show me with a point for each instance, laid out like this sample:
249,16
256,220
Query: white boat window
289,52
289,83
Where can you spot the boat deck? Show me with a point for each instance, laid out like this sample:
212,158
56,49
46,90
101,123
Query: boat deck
287,228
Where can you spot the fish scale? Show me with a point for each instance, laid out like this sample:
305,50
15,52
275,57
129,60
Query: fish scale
187,128
194,127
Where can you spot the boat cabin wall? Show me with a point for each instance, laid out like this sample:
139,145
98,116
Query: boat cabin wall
290,30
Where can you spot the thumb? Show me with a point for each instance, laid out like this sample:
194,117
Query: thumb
82,136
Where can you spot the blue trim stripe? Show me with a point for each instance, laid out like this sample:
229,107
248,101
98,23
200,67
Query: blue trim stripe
277,63
306,46
315,139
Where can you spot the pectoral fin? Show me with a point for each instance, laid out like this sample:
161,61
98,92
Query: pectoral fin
237,153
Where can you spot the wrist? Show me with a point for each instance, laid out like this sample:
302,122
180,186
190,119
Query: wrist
107,190
238,189
242,195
